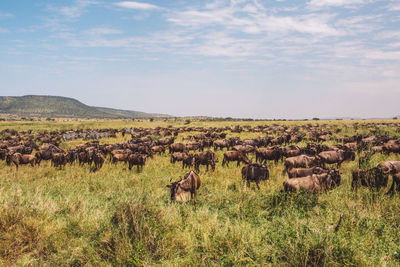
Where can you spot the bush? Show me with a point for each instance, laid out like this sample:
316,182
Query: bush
187,121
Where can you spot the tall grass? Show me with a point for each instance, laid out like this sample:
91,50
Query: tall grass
51,217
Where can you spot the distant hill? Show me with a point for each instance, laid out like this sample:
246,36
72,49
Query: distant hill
62,107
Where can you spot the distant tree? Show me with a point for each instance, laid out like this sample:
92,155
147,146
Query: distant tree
315,119
395,118
151,119
187,121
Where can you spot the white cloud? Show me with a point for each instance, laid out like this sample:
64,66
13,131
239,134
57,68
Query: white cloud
103,31
6,15
334,3
136,5
394,7
74,11
2,30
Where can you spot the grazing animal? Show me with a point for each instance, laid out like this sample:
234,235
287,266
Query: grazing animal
177,147
137,159
315,183
180,190
158,149
255,173
263,154
303,172
205,158
302,161
59,160
395,184
98,159
234,156
390,167
392,146
220,144
187,160
373,178
20,159
337,156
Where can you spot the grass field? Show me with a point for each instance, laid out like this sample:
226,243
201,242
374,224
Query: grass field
113,217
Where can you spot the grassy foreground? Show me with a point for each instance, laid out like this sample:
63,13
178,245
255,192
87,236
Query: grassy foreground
75,217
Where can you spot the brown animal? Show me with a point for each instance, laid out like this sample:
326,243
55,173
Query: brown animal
220,144
177,147
392,146
254,173
315,183
158,149
337,156
98,160
120,157
303,172
301,161
20,159
205,158
178,156
395,184
264,154
234,156
390,167
187,160
244,148
59,160
372,178
186,188
137,159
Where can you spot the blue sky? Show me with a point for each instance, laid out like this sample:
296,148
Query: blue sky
238,58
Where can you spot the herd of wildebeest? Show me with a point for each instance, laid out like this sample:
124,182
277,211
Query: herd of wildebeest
314,167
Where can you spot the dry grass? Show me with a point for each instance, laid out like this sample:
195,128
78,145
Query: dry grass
51,217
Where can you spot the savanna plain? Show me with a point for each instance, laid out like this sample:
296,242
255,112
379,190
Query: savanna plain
74,216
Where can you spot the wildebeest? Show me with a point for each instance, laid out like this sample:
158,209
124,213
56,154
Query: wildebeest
395,184
204,158
59,160
187,160
301,161
177,147
337,156
98,159
373,178
315,183
158,149
390,167
186,188
19,159
264,154
392,146
303,172
234,156
220,144
254,173
136,159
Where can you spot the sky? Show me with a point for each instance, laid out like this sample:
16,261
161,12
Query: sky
226,58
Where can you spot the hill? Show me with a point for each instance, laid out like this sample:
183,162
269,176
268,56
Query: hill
62,107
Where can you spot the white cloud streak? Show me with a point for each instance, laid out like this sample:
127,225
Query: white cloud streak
136,5
335,3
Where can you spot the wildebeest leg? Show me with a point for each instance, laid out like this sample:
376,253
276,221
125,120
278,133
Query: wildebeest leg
207,168
257,183
394,184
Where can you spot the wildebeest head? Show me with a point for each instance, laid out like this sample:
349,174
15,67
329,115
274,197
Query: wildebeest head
335,176
175,189
8,158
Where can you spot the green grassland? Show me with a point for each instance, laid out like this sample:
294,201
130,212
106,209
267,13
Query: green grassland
117,217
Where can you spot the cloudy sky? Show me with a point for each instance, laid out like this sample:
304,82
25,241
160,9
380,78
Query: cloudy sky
237,58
